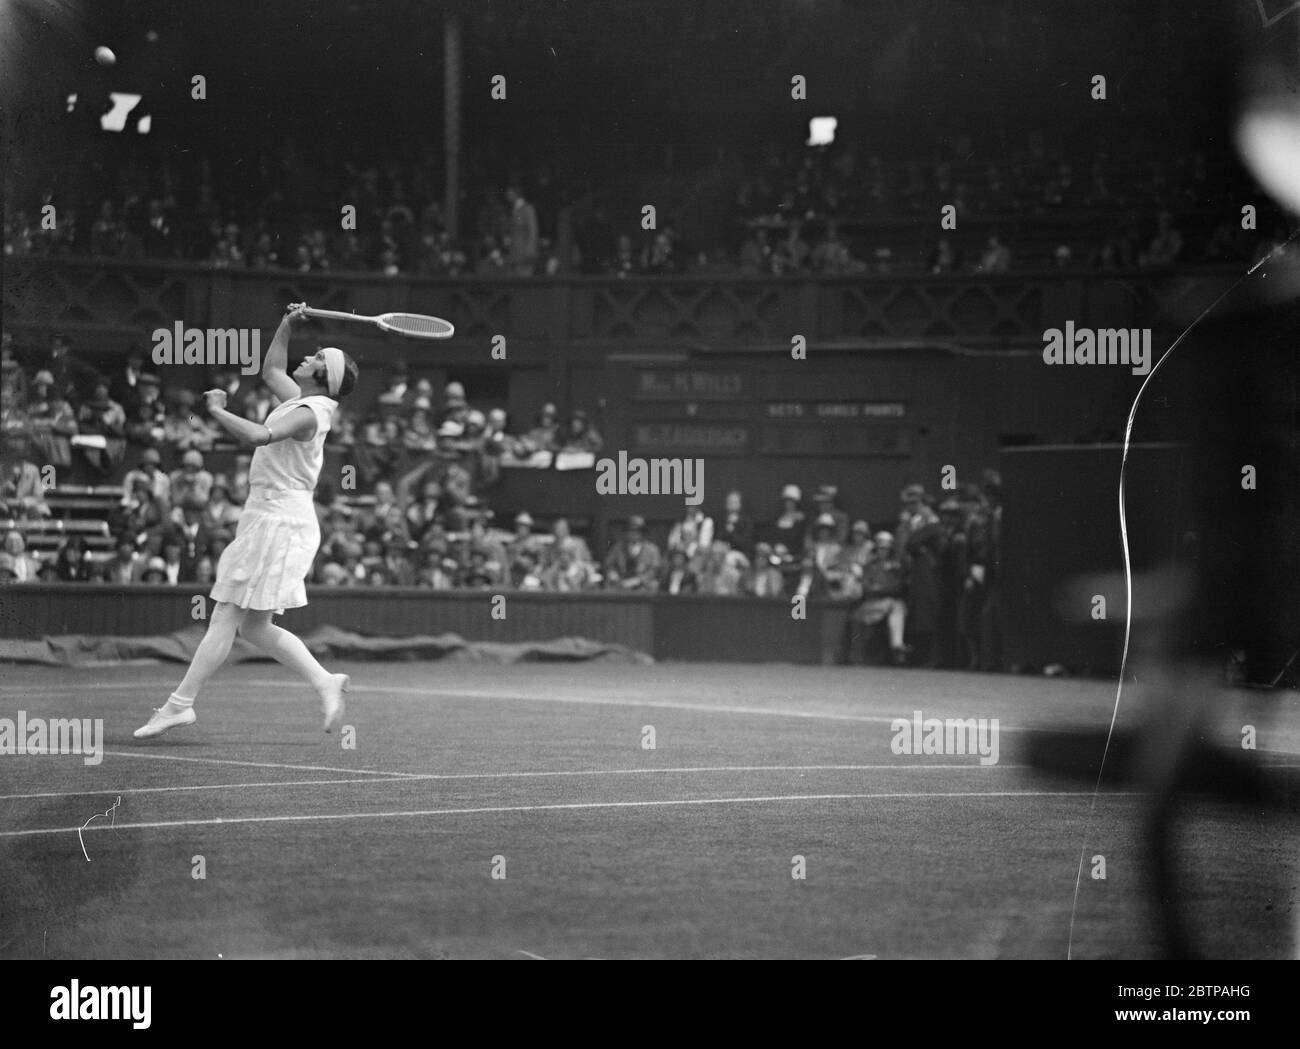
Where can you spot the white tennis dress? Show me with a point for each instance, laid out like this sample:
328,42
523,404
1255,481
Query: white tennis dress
278,535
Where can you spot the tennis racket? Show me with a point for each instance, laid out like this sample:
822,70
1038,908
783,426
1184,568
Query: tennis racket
416,325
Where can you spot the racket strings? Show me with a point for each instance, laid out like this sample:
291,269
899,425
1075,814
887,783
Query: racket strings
418,324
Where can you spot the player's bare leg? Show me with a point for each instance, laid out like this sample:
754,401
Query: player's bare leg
208,658
287,648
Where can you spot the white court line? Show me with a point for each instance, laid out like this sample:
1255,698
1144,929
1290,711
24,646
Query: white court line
452,693
255,764
405,777
574,806
601,701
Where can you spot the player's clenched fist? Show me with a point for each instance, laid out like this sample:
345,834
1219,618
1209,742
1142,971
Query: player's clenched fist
215,399
295,312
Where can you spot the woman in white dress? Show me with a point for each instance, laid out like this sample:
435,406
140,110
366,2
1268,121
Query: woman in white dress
261,573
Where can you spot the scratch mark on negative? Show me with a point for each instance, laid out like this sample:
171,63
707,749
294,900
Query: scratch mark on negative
111,811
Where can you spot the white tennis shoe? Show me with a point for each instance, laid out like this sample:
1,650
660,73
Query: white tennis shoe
160,722
331,699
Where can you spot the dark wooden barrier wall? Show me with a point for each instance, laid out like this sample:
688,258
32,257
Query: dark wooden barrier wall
672,628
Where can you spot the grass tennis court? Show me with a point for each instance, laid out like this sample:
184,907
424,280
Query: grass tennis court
610,850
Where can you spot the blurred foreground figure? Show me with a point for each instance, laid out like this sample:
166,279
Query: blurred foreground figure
1240,370
1228,605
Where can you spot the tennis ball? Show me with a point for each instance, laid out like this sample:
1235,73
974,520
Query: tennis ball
104,56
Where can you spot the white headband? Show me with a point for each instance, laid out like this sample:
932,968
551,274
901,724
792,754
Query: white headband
335,367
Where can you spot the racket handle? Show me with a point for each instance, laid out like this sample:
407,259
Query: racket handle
335,315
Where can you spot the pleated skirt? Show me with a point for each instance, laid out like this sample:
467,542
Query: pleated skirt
266,565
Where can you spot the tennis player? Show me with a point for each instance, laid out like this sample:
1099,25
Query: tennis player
261,573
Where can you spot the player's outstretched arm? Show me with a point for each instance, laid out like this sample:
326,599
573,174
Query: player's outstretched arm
299,424
275,365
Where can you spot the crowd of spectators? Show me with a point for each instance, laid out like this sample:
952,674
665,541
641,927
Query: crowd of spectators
921,588
806,211
426,465
420,511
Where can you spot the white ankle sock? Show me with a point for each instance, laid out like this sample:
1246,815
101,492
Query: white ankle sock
175,704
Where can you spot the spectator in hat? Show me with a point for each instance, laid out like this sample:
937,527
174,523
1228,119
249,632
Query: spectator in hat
883,586
789,527
437,572
420,434
176,565
449,434
567,568
678,576
22,489
545,436
141,513
523,541
580,437
526,572
920,539
149,470
146,421
765,578
390,519
454,405
823,573
25,567
494,552
154,571
51,420
480,572
564,541
123,567
71,377
424,512
185,428
397,562
191,481
736,526
692,534
914,514
189,527
860,546
633,561
824,501
221,514
496,442
124,385
205,570
723,571
104,417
